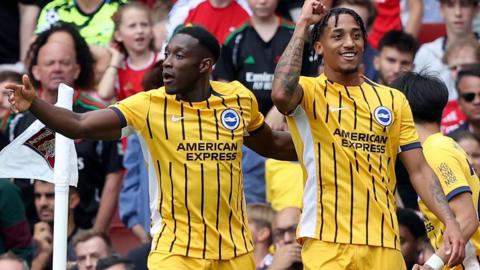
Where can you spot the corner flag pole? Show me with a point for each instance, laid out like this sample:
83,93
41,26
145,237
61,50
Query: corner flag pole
61,179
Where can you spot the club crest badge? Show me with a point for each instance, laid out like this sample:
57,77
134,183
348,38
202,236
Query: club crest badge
230,119
383,116
43,143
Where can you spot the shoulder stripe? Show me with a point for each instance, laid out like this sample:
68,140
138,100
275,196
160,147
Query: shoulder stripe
218,213
236,31
231,211
335,178
173,208
287,24
188,211
91,101
321,188
202,177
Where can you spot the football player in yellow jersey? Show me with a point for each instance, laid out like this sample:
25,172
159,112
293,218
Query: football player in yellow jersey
192,131
348,132
427,97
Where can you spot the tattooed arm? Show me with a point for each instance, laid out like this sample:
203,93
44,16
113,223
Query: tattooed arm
286,92
428,188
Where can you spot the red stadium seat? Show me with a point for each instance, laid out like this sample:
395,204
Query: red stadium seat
123,240
430,32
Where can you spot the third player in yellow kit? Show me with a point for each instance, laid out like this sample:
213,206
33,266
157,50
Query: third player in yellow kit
428,96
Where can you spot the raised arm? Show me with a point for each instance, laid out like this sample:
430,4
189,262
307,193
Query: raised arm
428,188
98,125
286,92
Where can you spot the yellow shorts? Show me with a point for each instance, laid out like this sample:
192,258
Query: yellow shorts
319,255
158,260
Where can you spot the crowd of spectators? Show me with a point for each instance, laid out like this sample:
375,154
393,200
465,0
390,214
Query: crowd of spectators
110,50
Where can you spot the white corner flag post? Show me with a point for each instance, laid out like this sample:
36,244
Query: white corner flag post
61,178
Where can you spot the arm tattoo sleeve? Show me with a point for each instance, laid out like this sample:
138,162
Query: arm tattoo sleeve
288,68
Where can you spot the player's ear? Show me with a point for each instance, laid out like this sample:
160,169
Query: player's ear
318,48
206,65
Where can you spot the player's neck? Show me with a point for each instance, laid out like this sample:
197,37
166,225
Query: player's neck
88,6
426,129
351,79
200,92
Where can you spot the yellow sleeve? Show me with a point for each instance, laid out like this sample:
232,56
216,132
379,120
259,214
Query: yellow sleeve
284,184
256,117
408,134
308,86
448,170
135,109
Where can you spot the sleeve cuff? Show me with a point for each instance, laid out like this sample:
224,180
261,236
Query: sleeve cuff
123,120
457,191
410,146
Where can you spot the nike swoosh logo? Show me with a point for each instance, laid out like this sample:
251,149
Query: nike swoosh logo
337,109
177,118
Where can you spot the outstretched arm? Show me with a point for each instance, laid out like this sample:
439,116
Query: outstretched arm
99,125
428,188
271,144
286,92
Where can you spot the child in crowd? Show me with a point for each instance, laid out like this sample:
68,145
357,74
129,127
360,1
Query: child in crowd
132,52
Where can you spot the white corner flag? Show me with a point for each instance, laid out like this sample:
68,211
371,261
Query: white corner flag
39,153
33,154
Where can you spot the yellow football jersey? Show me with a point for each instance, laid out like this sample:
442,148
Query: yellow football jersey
348,138
283,184
194,154
455,174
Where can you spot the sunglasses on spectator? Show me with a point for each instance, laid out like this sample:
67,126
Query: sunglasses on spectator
469,97
280,232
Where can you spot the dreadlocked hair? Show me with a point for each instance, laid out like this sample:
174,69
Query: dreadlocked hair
319,27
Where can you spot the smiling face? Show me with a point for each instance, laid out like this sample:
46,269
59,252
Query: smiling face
135,30
341,45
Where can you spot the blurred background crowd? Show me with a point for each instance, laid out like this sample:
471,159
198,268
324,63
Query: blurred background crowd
109,50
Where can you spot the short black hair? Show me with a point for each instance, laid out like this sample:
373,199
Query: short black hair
204,37
468,70
319,27
84,58
114,259
400,40
426,94
368,4
412,221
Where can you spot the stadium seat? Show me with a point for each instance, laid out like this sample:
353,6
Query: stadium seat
431,31
123,240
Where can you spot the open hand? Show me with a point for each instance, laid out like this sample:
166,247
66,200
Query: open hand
21,96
